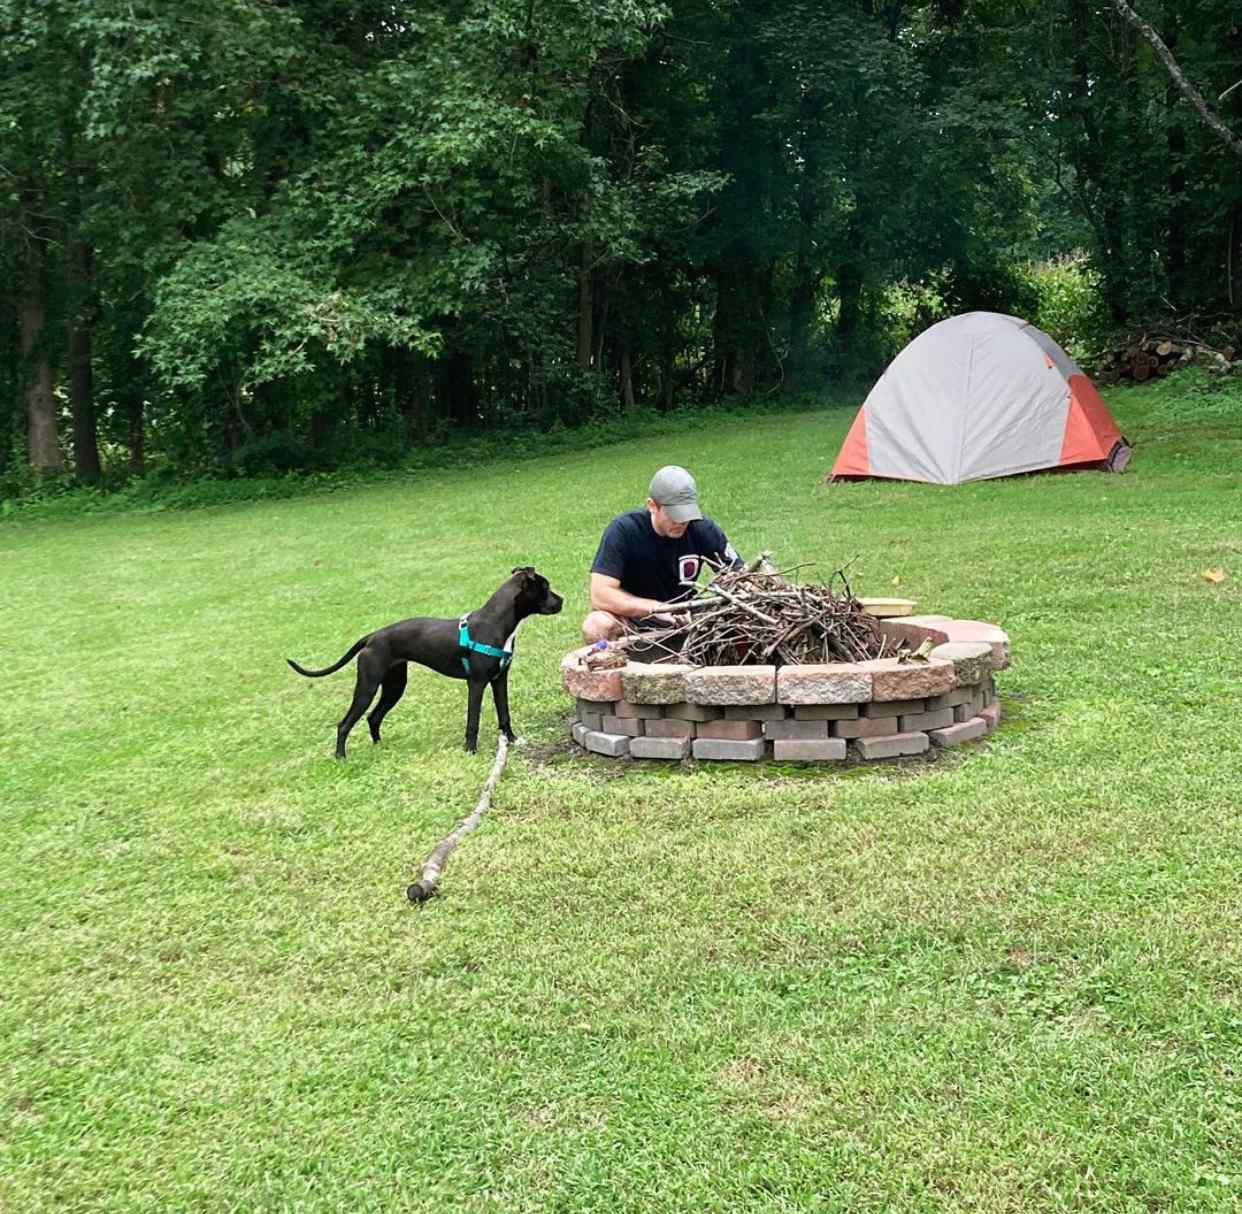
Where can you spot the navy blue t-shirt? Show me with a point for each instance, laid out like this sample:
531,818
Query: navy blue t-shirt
652,566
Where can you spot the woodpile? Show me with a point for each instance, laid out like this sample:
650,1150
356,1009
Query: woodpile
756,615
1153,355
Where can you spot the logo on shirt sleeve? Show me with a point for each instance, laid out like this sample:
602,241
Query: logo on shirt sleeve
688,568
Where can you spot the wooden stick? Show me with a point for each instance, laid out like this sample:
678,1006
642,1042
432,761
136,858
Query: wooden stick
790,632
429,877
767,619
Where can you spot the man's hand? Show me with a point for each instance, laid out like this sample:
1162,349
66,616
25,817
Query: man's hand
669,613
607,595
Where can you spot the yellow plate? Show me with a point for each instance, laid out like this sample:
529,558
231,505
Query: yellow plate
885,608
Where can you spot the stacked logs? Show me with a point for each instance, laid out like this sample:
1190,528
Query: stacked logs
756,616
1153,356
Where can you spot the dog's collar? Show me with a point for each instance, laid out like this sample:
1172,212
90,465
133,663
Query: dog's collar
466,644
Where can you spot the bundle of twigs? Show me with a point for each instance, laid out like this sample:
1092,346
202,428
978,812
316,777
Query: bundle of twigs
757,616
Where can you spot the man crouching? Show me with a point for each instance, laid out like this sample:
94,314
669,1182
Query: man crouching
645,556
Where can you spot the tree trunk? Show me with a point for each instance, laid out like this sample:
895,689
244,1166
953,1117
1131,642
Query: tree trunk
230,419
849,292
668,358
801,308
1233,258
739,329
586,306
765,359
42,448
137,437
81,380
627,378
600,321
806,276
409,393
724,329
126,374
536,394
891,14
1176,212
744,369
320,428
85,434
1093,166
455,387
129,386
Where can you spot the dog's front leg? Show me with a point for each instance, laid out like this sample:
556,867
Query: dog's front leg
477,688
500,695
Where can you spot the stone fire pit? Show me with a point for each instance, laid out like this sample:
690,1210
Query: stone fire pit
816,714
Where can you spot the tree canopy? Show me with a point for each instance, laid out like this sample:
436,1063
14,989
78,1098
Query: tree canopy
250,234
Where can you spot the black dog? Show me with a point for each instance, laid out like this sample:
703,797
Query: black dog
437,644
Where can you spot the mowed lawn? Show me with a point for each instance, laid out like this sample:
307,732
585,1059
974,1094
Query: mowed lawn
1007,980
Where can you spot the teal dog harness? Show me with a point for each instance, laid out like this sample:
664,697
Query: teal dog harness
465,644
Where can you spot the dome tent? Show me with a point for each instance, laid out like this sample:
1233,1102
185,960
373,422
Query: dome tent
979,396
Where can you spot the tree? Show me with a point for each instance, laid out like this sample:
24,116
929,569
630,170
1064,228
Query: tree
35,109
1187,88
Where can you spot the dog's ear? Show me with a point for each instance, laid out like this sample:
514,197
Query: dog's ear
528,570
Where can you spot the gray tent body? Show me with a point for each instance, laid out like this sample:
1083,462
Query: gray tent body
978,396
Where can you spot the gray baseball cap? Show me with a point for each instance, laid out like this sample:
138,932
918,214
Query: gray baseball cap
674,489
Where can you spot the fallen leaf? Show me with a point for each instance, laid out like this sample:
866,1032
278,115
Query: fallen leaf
1215,576
897,581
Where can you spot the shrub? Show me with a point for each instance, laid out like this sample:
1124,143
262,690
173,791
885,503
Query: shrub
1070,307
270,454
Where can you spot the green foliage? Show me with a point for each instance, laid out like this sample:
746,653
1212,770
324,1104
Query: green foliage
1070,305
904,310
298,231
275,467
253,290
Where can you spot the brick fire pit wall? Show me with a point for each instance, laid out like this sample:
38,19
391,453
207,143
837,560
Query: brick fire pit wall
814,714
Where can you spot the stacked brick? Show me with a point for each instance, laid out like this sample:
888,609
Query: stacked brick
813,714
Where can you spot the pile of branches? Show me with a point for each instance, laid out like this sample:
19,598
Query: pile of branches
756,616
1152,354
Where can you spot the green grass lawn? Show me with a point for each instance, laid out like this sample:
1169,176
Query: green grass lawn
1007,980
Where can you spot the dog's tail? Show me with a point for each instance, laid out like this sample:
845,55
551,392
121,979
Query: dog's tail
318,674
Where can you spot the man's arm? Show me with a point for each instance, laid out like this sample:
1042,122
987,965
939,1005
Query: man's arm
607,595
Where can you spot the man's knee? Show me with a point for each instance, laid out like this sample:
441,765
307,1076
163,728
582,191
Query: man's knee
601,626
